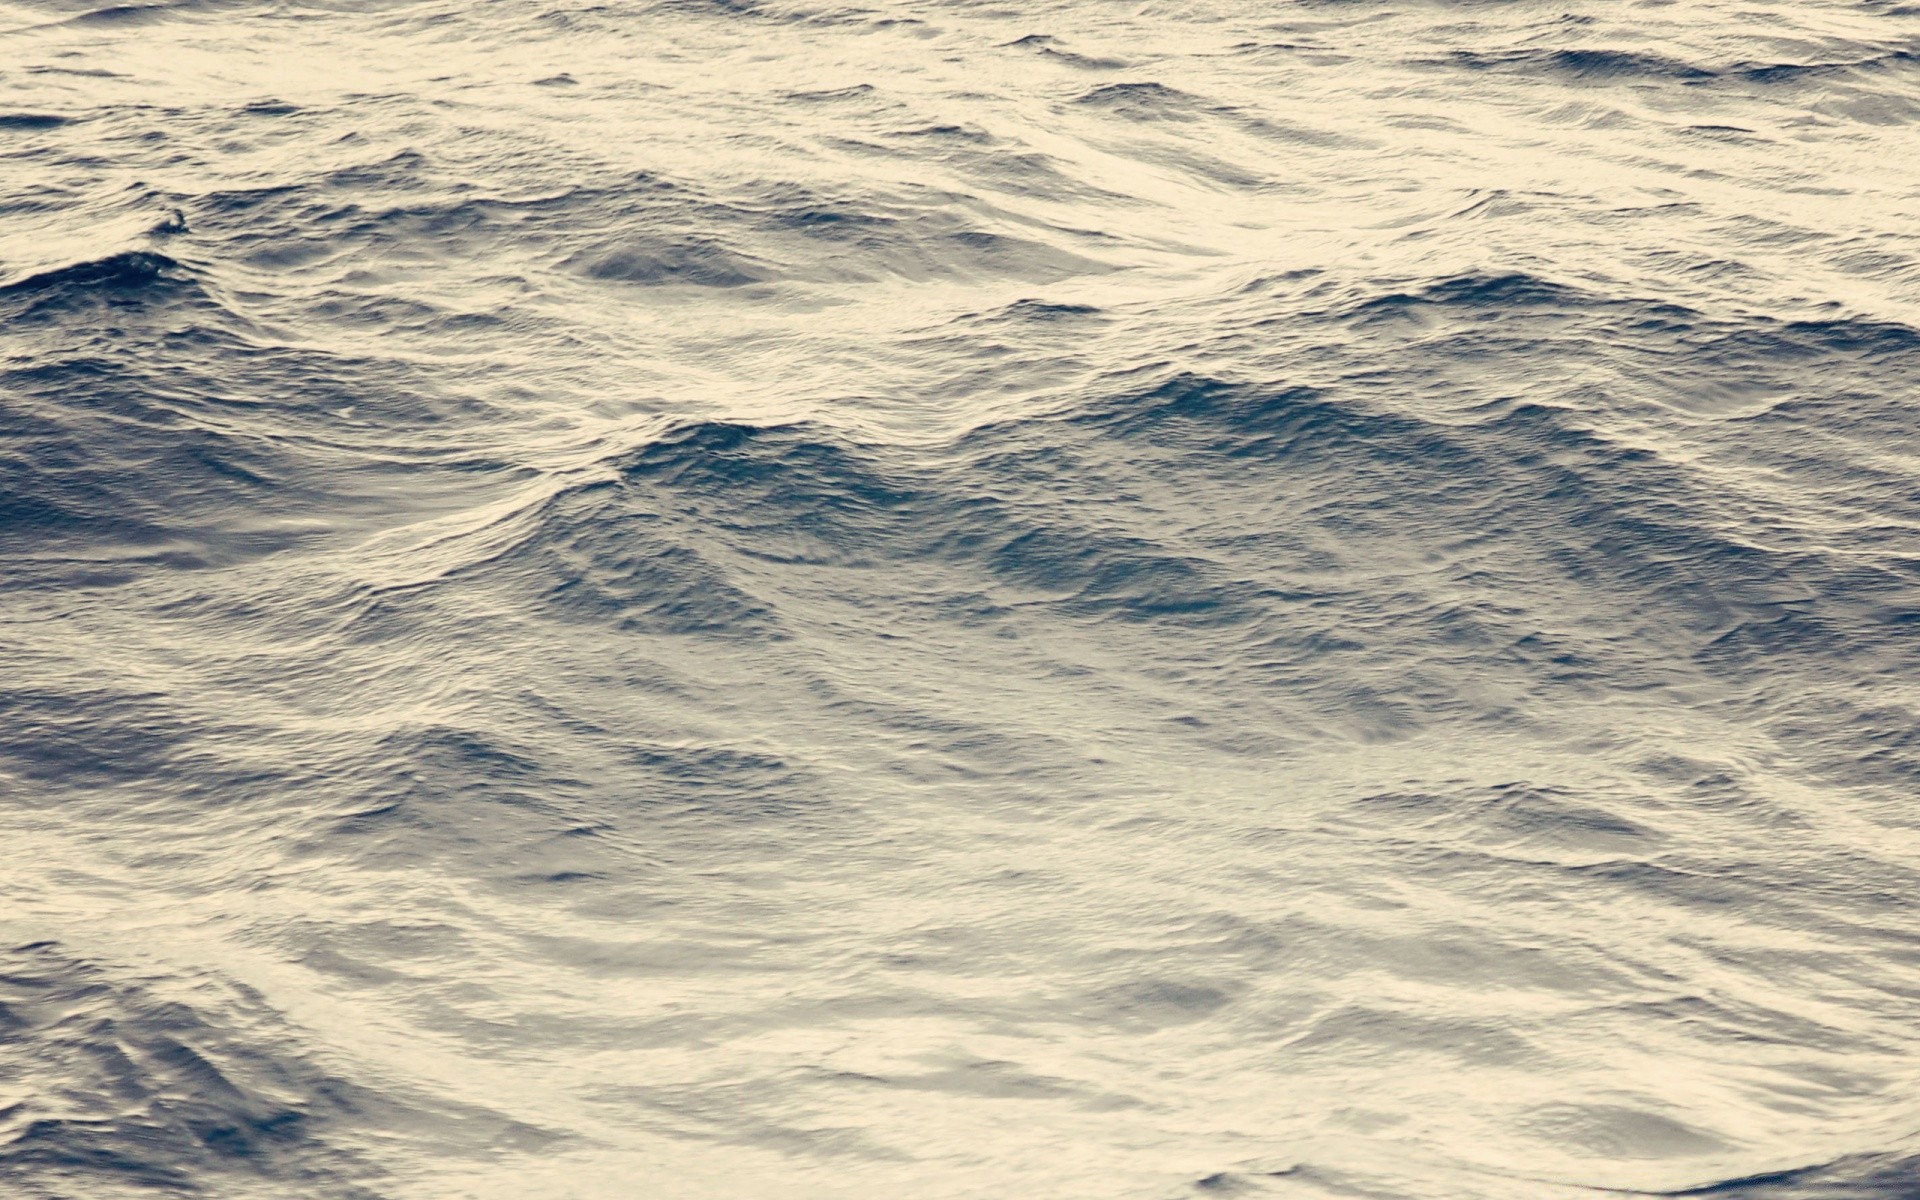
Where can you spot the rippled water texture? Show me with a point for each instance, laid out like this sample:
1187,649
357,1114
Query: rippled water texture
700,598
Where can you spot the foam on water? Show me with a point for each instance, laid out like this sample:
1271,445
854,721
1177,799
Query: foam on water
743,599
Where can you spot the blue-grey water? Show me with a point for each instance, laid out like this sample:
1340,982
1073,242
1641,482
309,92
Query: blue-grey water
733,599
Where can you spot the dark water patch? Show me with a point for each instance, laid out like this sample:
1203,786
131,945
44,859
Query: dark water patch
449,793
1607,66
967,134
1854,1177
719,530
1227,420
403,171
977,252
1028,313
1129,578
106,462
115,1085
127,279
609,555
721,8
851,238
1877,341
77,72
1788,72
1875,1176
1579,65
1369,1030
652,231
793,497
694,263
110,471
1619,1132
1731,365
1495,293
702,529
1587,510
88,734
780,14
621,805
1003,166
1148,1005
146,424
788,205
1295,134
28,122
126,14
1050,47
855,92
1143,101
1520,814
784,493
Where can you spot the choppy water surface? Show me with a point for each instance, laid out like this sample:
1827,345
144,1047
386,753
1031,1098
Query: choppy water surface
720,599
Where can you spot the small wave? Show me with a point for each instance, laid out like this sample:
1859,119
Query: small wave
856,92
1890,1176
1144,101
1593,65
32,122
1582,65
124,14
126,275
1051,48
118,1086
695,263
1493,293
1791,72
1029,311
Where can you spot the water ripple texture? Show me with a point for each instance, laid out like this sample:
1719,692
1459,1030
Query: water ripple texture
725,599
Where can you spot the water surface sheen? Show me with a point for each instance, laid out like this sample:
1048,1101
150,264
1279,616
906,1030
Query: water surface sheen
734,599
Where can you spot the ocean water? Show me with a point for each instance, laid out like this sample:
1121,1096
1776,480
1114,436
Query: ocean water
950,599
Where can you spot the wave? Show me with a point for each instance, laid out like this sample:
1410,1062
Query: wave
650,230
124,1090
1584,65
32,121
1853,1177
154,425
721,584
129,277
1600,65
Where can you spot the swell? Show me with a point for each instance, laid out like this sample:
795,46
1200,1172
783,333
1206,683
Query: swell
145,423
1526,472
1341,562
1405,622
124,278
118,1091
1868,84
650,229
1852,1177
1605,66
1341,556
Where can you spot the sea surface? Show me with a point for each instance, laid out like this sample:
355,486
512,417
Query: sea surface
1075,600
